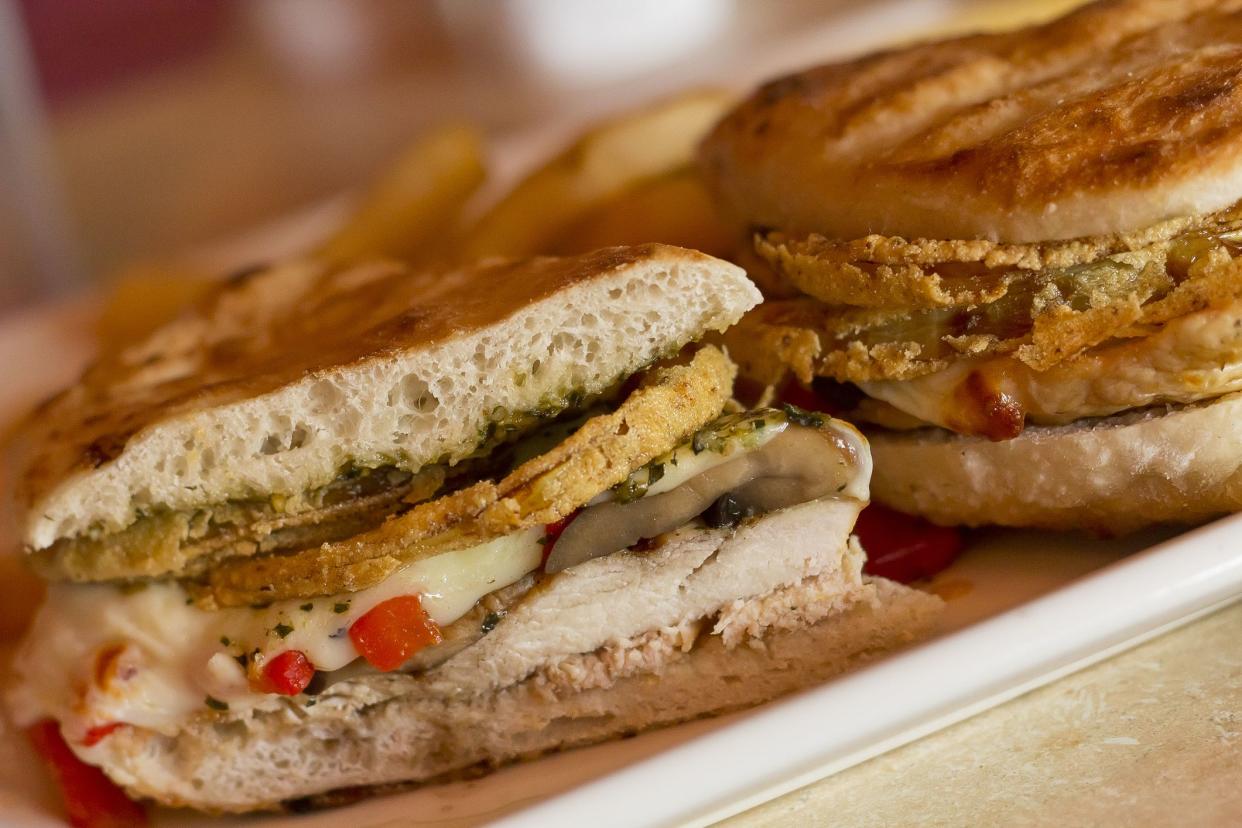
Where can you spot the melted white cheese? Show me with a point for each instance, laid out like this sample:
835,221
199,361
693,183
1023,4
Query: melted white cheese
172,656
1195,357
684,462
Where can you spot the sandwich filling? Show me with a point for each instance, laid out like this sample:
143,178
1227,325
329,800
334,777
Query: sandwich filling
153,655
983,338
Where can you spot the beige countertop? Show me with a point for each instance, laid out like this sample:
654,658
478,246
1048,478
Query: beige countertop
1150,737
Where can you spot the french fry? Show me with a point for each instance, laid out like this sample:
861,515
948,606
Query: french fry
607,161
412,209
673,209
143,296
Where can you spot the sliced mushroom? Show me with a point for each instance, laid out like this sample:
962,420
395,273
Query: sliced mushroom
798,465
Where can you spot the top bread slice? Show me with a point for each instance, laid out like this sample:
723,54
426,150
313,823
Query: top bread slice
1115,117
288,376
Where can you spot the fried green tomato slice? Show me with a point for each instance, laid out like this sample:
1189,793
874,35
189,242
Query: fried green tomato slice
1042,322
188,543
668,406
898,274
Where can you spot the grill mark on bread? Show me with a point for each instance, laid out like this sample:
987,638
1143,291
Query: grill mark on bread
975,136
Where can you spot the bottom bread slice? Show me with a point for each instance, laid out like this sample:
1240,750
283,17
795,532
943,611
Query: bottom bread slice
1166,464
669,676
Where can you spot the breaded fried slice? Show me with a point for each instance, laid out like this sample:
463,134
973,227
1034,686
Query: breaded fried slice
1043,320
671,405
897,273
189,543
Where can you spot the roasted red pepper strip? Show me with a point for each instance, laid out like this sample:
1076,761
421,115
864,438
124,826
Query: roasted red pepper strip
552,531
287,674
905,548
91,799
393,631
836,399
97,734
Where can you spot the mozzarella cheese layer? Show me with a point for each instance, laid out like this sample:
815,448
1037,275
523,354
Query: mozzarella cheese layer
96,654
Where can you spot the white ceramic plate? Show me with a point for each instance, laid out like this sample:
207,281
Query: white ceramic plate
1029,608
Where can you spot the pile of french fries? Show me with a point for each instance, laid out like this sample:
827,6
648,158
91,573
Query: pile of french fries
630,180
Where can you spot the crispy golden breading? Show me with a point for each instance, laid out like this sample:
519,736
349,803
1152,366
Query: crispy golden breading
778,337
896,273
350,565
189,543
1042,319
872,272
672,404
808,339
770,281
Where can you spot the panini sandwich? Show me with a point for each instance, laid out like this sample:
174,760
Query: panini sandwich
345,529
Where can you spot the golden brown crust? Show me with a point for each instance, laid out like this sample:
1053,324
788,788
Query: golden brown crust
1119,115
777,338
672,404
883,271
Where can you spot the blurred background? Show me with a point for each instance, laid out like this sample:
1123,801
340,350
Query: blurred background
134,130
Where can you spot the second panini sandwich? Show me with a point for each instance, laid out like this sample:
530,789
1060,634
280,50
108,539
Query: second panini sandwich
1020,260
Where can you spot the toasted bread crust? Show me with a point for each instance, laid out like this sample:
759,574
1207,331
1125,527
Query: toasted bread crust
1117,116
